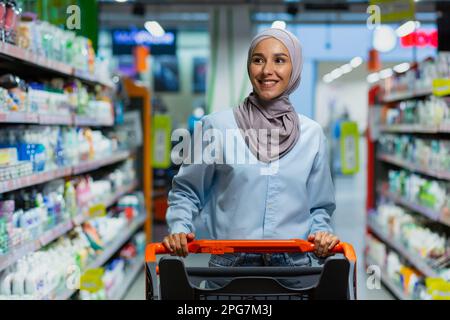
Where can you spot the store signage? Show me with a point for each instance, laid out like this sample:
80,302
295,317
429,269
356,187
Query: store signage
395,10
124,40
420,39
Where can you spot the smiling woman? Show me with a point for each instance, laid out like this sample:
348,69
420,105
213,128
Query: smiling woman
238,201
270,69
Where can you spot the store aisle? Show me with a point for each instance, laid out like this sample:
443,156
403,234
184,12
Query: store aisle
349,222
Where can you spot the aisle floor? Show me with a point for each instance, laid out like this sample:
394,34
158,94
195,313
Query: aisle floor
349,223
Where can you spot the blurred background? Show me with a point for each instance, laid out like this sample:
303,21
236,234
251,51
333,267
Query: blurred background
110,81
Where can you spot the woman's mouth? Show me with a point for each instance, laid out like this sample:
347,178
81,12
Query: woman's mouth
267,84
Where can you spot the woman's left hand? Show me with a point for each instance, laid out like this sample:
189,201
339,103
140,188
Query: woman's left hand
324,243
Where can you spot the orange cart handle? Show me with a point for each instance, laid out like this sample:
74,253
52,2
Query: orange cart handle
254,246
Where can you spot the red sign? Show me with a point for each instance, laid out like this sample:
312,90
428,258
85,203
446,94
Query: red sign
420,39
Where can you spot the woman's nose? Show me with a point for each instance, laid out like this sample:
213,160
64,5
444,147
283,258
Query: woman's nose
268,68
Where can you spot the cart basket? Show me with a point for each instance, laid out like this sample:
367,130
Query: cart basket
335,280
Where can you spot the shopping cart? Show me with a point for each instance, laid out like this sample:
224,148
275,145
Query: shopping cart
335,280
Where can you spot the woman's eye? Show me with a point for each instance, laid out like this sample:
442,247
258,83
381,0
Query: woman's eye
279,60
257,60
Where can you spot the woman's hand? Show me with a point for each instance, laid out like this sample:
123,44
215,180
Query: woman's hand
324,243
177,243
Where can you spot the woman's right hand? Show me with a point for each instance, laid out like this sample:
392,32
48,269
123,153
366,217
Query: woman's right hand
176,243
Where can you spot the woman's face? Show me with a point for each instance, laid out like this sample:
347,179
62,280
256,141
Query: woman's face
270,68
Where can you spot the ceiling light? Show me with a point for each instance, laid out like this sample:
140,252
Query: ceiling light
346,68
154,28
336,73
279,24
356,61
384,39
407,28
402,67
327,78
373,77
386,73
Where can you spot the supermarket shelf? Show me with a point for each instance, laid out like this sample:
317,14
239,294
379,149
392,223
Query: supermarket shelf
392,287
56,119
42,177
92,122
397,96
415,128
411,166
53,119
46,238
106,255
58,231
87,77
34,179
128,281
95,164
18,117
12,52
22,250
117,244
78,220
26,56
429,213
414,259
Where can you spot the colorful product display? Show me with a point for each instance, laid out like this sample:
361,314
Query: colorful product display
419,76
118,269
26,215
411,282
433,111
41,274
417,189
51,147
431,154
54,97
411,232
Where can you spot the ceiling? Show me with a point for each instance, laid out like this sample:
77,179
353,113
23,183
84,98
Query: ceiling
194,14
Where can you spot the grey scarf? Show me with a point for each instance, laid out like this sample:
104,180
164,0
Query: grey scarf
254,114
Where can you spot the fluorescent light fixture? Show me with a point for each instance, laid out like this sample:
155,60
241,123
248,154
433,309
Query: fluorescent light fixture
386,73
121,1
346,68
384,38
407,28
373,77
336,73
279,24
154,28
402,67
356,62
327,78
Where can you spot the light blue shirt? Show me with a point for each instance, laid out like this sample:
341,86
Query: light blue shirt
236,201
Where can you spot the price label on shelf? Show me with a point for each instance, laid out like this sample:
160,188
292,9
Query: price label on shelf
98,210
441,87
91,280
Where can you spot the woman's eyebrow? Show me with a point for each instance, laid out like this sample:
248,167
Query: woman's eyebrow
275,54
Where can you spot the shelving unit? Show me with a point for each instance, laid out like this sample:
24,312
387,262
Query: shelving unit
412,258
110,250
16,57
444,175
25,57
58,231
378,189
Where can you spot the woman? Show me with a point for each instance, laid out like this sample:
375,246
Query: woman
242,201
